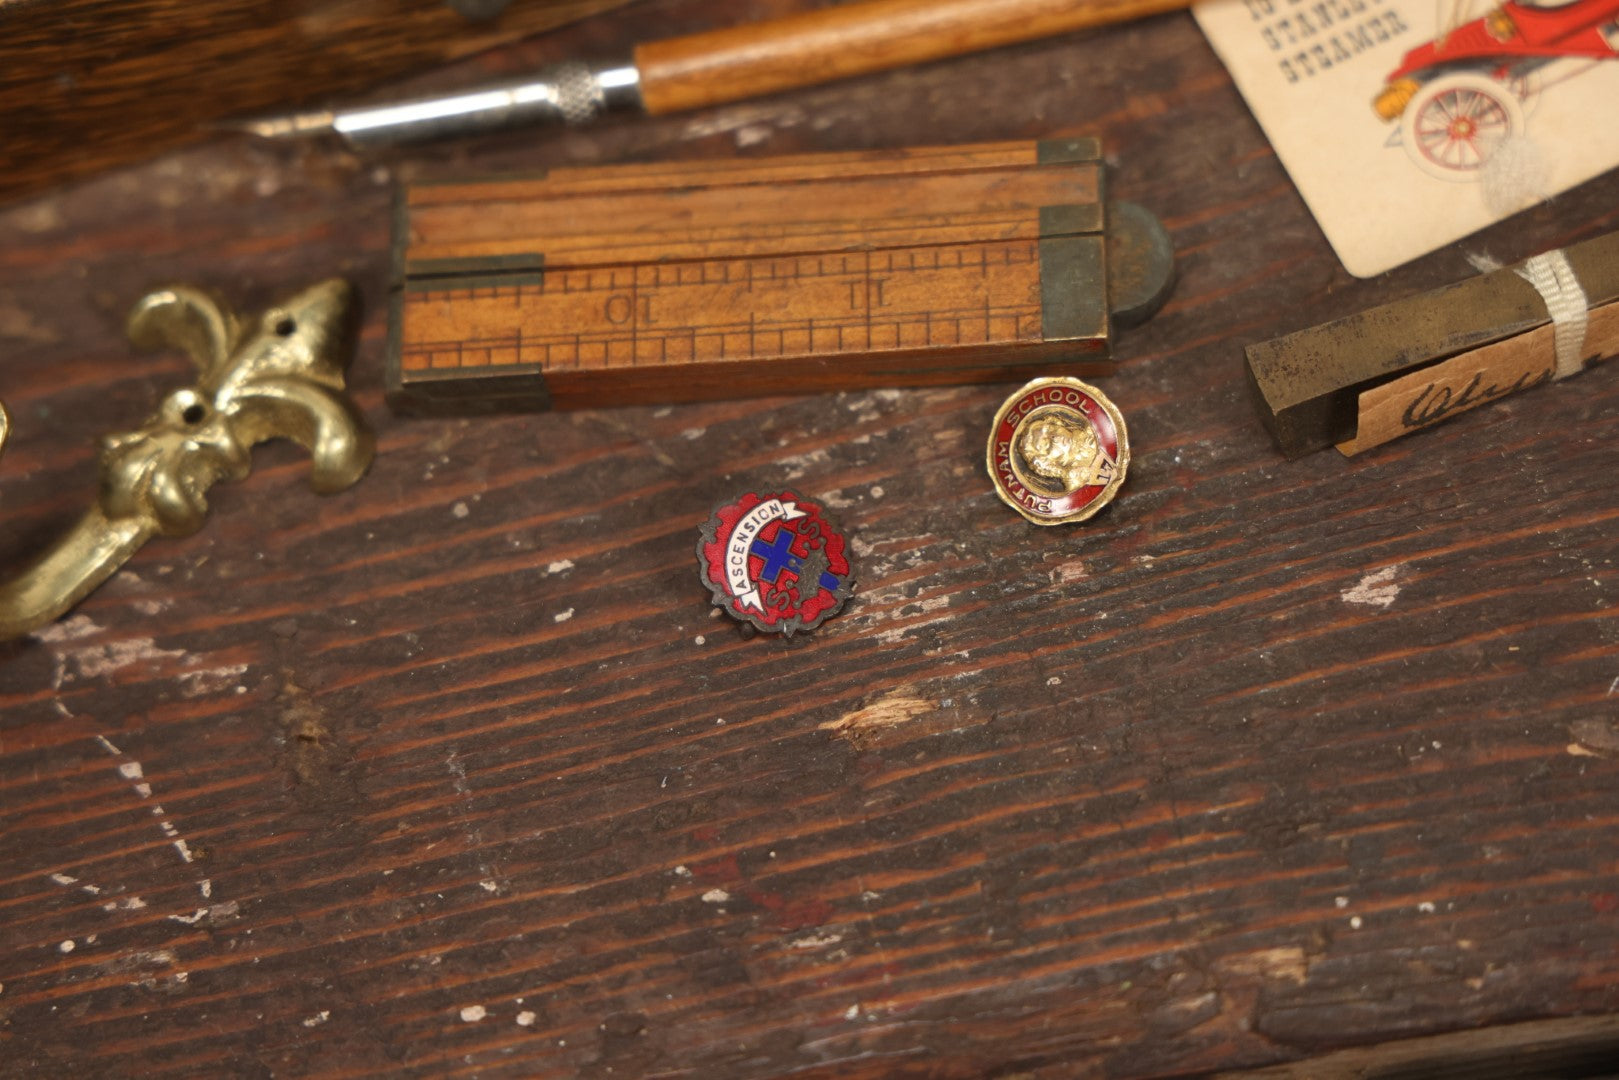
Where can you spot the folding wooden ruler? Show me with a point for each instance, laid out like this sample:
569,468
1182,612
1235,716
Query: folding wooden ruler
683,281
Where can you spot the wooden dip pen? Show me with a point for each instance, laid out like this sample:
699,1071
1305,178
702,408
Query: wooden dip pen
715,67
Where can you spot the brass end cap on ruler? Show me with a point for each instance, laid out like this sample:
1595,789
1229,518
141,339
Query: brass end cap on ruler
1140,264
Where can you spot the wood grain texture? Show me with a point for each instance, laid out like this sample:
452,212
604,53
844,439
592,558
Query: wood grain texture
865,271
739,62
86,85
1267,761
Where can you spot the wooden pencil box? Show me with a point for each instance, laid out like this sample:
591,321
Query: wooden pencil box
686,281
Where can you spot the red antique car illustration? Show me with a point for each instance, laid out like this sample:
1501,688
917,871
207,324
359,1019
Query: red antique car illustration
1459,96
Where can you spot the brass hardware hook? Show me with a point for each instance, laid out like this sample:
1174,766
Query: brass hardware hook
277,376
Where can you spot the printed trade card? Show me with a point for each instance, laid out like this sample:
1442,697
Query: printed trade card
1408,124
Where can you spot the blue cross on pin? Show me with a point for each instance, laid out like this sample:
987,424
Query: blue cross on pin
778,555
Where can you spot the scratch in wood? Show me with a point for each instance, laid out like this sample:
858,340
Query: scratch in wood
67,880
212,680
92,660
1286,963
1375,589
474,835
123,903
133,771
888,711
1594,737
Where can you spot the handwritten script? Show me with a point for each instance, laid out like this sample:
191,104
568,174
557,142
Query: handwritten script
1438,400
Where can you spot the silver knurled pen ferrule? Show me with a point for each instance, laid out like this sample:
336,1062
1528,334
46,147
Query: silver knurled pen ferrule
568,93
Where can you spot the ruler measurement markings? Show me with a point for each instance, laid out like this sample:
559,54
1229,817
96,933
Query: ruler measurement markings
868,298
636,309
788,299
850,319
731,327
586,343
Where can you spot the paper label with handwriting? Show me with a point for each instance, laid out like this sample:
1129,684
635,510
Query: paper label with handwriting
1408,124
1478,377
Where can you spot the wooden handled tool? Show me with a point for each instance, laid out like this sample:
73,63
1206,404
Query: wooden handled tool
854,39
641,284
725,65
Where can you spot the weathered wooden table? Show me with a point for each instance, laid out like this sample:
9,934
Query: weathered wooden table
455,773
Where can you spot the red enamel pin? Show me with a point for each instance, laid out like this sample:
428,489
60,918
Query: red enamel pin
1058,451
775,560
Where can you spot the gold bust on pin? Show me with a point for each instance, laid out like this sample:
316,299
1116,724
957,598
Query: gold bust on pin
1058,451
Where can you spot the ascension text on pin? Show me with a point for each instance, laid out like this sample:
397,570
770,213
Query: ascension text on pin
773,559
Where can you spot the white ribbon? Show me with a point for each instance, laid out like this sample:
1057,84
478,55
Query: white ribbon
741,545
1555,281
1559,288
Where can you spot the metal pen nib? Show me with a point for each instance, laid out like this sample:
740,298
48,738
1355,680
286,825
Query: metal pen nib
286,127
568,93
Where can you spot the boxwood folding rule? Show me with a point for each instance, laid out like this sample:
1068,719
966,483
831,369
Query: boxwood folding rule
685,281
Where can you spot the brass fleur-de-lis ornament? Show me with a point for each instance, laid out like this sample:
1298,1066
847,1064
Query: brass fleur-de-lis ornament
277,376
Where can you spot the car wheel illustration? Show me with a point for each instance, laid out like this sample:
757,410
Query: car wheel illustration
1456,122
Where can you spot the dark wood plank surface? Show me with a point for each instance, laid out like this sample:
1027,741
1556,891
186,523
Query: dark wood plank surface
1270,760
86,85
